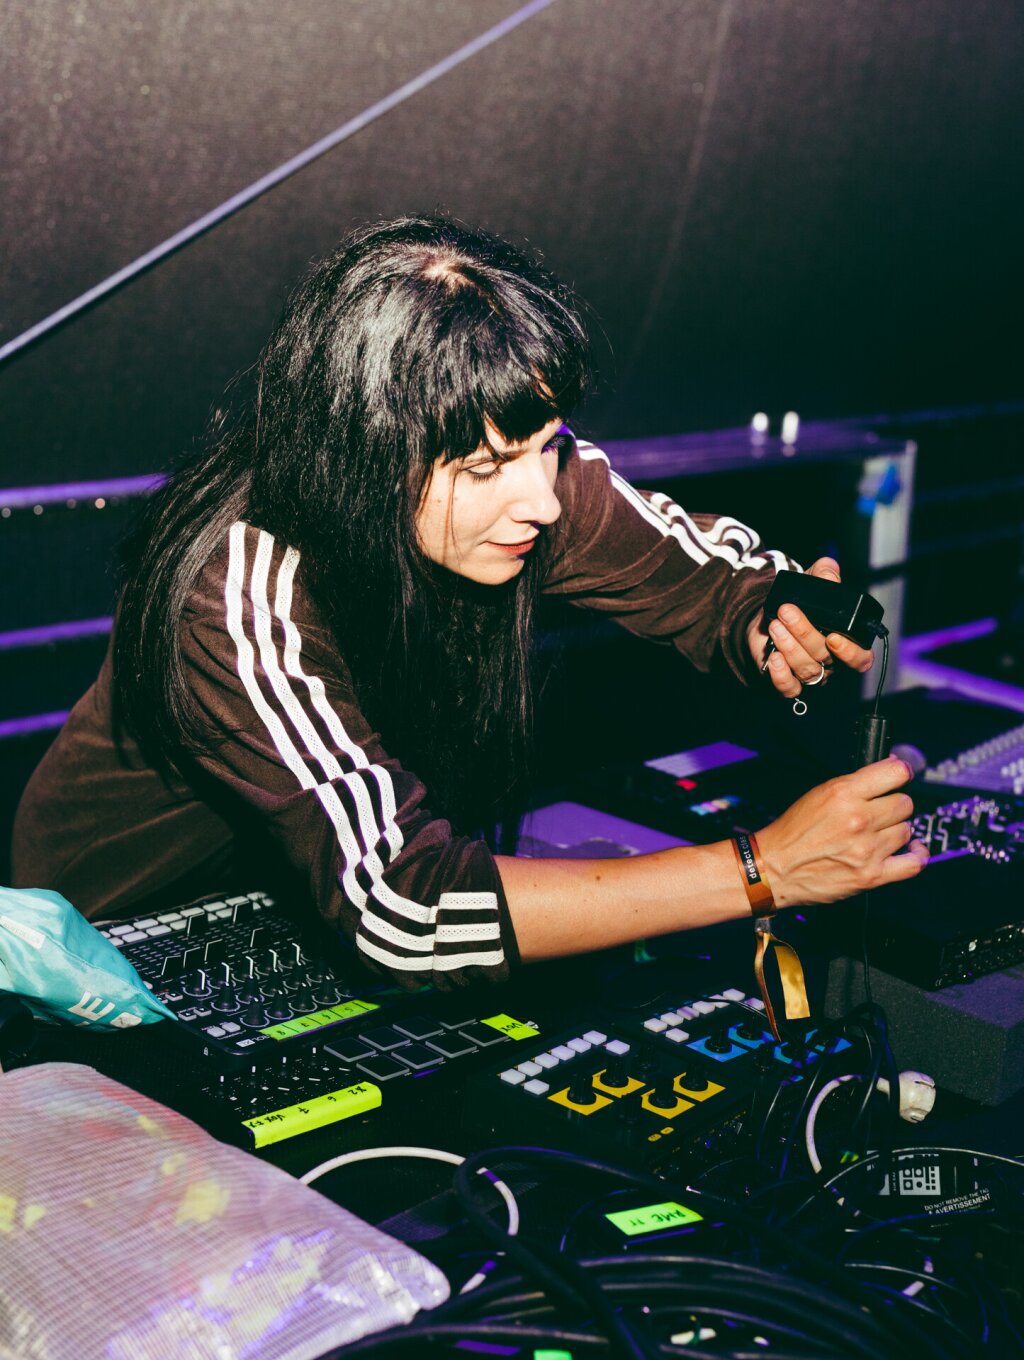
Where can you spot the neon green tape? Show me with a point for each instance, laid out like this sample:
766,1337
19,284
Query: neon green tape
318,1019
652,1218
552,1355
515,1029
313,1114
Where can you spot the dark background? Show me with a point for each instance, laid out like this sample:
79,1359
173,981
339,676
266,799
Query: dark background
768,205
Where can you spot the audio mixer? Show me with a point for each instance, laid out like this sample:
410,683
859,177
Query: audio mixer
277,1036
280,1033
645,1089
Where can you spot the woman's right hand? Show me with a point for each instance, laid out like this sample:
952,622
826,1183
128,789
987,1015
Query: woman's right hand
843,837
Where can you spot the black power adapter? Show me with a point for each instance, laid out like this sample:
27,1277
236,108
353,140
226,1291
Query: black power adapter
836,608
830,606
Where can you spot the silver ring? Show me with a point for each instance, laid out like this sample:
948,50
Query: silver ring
818,678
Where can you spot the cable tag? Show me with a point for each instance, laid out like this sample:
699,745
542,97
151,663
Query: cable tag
794,989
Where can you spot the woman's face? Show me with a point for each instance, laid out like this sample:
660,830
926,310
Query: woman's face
480,515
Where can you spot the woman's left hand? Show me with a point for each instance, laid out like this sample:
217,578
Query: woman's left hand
803,655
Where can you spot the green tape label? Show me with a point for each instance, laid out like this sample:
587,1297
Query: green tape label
332,1015
653,1218
515,1029
313,1114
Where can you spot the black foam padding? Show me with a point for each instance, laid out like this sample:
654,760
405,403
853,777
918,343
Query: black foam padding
969,1038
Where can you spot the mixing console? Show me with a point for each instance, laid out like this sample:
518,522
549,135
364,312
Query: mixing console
992,828
282,1035
647,1089
277,1036
996,765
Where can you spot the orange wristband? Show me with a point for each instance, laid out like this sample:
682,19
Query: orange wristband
755,881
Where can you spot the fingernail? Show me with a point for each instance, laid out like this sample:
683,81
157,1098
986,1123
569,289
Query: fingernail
834,639
788,613
779,630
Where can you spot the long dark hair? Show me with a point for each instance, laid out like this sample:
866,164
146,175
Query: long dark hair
392,353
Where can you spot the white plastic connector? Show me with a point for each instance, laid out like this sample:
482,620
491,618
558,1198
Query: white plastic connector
917,1095
790,427
759,423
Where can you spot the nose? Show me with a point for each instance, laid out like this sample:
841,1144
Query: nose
534,499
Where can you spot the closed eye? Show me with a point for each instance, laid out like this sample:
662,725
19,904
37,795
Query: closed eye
483,472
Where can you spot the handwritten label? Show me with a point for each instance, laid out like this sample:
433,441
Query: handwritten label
515,1029
652,1218
275,1125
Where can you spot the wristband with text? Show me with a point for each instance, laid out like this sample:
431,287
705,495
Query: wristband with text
755,881
763,908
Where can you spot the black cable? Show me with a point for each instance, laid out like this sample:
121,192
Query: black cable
711,1288
779,1303
813,1086
881,631
559,1274
872,1022
416,1333
699,1286
845,1287
865,910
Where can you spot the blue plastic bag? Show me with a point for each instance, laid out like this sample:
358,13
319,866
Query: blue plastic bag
64,969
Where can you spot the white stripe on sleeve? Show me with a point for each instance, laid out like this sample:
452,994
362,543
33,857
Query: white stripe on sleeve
354,856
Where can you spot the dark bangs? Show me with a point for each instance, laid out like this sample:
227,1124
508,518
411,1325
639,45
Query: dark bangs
507,348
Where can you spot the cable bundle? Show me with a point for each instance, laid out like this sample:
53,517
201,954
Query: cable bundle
775,1295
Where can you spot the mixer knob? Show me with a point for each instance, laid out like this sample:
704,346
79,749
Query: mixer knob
718,1042
616,1073
694,1081
255,1017
249,993
326,993
226,1000
647,1058
663,1097
279,1009
303,1001
267,961
581,1091
197,983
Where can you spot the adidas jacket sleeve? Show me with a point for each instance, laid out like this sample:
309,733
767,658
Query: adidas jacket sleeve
695,581
291,743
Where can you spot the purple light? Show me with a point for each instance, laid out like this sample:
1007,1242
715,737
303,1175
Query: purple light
917,669
18,497
945,637
41,722
487,1348
948,854
54,632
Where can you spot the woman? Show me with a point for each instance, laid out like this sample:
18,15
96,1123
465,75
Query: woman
360,555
